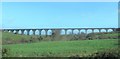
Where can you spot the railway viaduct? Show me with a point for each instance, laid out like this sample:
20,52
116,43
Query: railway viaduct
21,31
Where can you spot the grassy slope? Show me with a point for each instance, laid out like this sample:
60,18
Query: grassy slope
60,48
57,48
6,35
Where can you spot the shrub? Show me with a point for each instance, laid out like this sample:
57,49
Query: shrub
9,41
102,36
107,53
72,37
91,36
5,51
82,36
23,40
40,38
56,35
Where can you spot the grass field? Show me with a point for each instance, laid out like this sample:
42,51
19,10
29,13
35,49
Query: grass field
8,36
60,48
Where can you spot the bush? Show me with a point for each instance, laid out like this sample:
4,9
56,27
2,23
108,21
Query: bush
107,53
102,36
5,51
40,38
10,41
91,36
82,36
73,37
56,35
23,40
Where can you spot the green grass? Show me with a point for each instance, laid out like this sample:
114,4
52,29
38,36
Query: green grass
112,34
61,48
57,48
8,36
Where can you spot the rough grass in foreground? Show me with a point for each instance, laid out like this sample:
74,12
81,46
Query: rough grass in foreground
60,48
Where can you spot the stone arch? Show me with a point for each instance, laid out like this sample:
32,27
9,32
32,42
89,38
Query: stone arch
49,32
33,31
25,32
30,32
19,32
103,30
43,32
82,31
96,30
14,31
110,30
9,31
76,31
62,31
68,31
89,31
36,32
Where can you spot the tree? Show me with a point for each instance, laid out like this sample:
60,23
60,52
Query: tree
91,36
82,36
56,35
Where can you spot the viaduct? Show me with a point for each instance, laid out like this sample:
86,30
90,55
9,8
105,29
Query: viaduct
21,31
